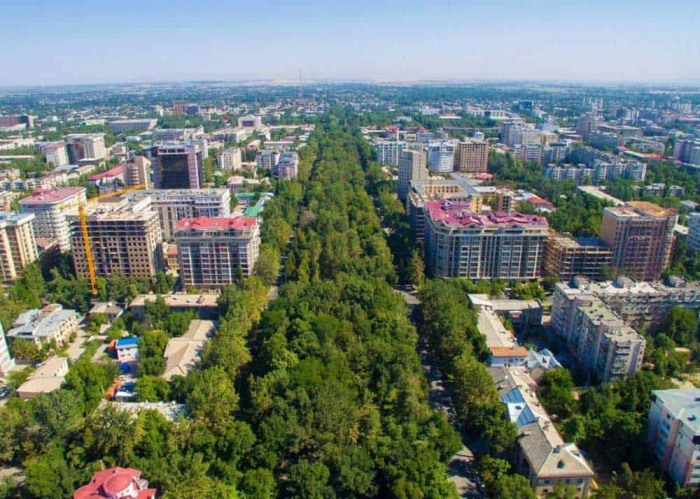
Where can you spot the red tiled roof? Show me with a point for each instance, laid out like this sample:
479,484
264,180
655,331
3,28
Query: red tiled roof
49,196
108,483
114,172
508,351
456,213
203,223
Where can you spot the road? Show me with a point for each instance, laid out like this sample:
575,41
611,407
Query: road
75,349
461,467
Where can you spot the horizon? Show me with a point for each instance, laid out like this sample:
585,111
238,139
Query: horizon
628,41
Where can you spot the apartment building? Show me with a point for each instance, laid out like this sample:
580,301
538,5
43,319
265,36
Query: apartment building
124,236
85,146
389,151
460,243
413,166
693,238
687,151
137,171
674,434
566,257
48,377
640,304
51,208
287,166
6,362
177,165
250,121
441,156
17,244
173,205
214,251
641,237
42,326
55,153
267,158
472,156
458,188
542,455
231,159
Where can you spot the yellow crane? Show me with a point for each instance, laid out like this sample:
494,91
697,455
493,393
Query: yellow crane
82,215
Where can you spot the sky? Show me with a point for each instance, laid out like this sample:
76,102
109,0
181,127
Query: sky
53,42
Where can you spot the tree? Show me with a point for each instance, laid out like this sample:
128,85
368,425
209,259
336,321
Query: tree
416,269
309,480
512,487
258,483
268,264
152,389
212,397
681,325
557,395
25,349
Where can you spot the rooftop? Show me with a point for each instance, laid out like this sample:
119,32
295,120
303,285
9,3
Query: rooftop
683,404
114,172
51,196
458,214
203,223
508,351
179,300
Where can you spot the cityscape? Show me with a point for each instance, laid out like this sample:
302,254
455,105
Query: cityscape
302,275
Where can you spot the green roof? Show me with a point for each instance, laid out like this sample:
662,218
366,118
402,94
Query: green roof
246,194
253,211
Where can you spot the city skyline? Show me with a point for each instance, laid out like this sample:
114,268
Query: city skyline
598,42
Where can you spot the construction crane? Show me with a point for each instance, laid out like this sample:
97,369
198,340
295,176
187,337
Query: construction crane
82,215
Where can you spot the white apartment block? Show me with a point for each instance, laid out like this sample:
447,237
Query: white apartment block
173,205
413,165
674,434
51,207
52,323
230,159
389,152
17,244
213,251
6,362
86,146
55,153
136,172
267,158
287,166
124,237
441,156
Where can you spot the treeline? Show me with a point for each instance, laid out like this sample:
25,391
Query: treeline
336,396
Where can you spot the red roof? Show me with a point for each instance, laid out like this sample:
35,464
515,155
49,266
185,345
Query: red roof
538,201
508,351
457,213
50,196
114,172
204,223
111,482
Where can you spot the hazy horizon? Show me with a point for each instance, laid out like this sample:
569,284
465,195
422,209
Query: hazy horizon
171,42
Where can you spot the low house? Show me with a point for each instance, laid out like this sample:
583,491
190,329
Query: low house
111,311
183,353
507,356
127,349
204,305
48,377
42,326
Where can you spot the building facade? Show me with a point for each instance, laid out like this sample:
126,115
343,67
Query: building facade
51,208
472,156
468,245
6,362
674,434
85,146
694,231
413,165
17,244
52,323
641,237
137,171
173,205
389,152
177,165
230,159
565,257
124,237
214,251
287,166
267,158
55,153
441,156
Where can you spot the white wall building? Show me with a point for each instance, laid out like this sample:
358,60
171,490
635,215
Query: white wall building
51,208
441,156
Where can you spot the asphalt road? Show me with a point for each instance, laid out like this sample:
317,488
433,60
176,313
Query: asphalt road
461,467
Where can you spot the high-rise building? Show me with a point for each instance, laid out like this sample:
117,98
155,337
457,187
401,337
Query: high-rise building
472,156
458,188
22,119
604,345
267,158
177,165
641,236
510,133
6,362
173,205
136,171
674,434
214,251
85,146
565,257
412,166
230,159
441,156
687,151
389,152
694,231
586,124
55,153
468,245
287,166
124,238
17,244
51,207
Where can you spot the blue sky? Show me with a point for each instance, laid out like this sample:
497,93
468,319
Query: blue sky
72,41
